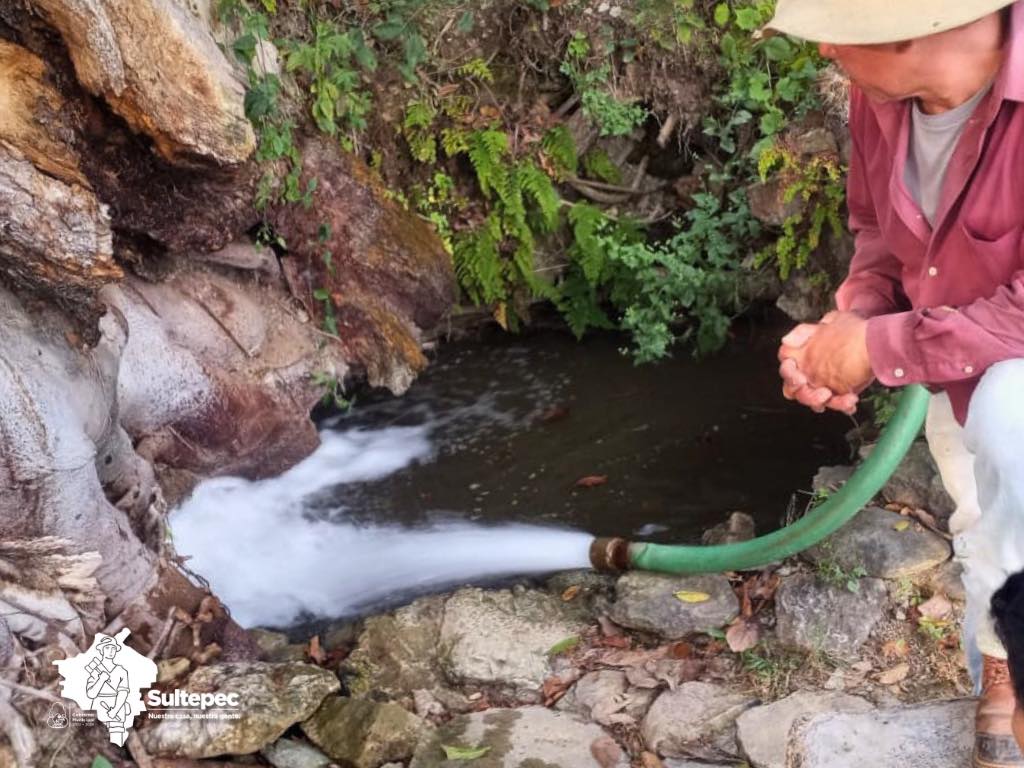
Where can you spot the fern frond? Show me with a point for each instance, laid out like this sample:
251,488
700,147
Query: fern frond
588,251
537,185
478,263
487,151
559,144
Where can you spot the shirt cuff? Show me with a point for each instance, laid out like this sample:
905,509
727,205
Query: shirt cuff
890,339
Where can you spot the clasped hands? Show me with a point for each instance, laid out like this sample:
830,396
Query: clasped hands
825,365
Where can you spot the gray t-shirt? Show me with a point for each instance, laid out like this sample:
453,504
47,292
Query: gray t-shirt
932,141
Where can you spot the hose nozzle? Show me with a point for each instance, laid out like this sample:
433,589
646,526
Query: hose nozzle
610,555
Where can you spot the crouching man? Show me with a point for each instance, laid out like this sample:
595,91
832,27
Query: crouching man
935,293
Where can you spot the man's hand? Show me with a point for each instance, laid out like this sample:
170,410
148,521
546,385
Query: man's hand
826,365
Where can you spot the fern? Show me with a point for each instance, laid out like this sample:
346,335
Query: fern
598,165
537,185
419,119
588,251
454,141
478,69
559,145
478,263
487,150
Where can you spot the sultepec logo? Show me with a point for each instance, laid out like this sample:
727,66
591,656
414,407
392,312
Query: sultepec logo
107,679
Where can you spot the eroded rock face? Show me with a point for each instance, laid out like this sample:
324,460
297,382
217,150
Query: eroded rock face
824,618
273,698
159,68
365,734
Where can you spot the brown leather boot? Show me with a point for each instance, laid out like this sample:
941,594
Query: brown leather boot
994,745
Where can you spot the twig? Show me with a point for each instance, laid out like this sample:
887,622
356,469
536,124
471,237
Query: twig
34,692
165,632
666,130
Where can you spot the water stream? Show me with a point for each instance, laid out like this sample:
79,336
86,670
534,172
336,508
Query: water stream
473,474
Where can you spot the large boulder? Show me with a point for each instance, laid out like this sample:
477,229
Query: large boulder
917,483
692,713
651,602
762,732
364,734
937,735
827,618
886,545
515,738
272,698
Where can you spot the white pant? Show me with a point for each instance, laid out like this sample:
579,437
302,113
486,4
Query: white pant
982,468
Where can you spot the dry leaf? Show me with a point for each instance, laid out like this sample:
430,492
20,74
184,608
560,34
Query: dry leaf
692,597
608,627
651,760
743,635
896,649
895,675
570,593
606,752
680,650
901,526
615,641
639,677
591,481
632,658
936,609
925,518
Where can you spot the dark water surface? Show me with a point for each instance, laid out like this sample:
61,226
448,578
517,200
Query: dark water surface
516,421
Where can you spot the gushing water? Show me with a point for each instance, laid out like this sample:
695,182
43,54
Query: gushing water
273,562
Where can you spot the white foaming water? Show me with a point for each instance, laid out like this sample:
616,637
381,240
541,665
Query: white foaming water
271,562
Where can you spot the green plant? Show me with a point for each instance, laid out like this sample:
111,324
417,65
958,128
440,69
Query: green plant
613,116
935,630
333,390
883,402
832,572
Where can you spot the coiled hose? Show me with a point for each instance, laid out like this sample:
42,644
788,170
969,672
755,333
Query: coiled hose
617,554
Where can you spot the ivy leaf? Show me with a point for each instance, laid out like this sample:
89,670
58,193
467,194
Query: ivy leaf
464,753
722,14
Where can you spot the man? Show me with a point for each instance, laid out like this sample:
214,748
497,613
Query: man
935,293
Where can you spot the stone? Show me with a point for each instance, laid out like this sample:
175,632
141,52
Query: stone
738,527
917,483
268,641
768,202
762,732
872,541
647,601
831,479
820,617
289,753
503,637
605,697
693,712
947,579
934,735
273,697
803,299
518,738
364,734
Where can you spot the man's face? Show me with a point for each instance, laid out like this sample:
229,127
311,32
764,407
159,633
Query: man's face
109,651
878,70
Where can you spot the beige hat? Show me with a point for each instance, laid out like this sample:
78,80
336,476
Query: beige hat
863,22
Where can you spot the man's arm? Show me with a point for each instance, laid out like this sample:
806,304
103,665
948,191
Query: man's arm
947,344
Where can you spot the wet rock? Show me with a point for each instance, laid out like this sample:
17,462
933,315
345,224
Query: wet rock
824,618
397,654
762,732
873,541
605,697
365,734
273,697
693,712
938,735
648,601
528,736
503,637
947,579
917,483
803,299
289,753
595,590
739,527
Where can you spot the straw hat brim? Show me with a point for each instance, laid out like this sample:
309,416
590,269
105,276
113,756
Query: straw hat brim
866,22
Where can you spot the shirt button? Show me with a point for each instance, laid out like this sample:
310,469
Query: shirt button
933,271
968,369
899,373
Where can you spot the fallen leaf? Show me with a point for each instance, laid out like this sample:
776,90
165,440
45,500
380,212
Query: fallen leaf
743,635
680,650
901,526
554,688
640,677
651,760
895,675
564,645
615,641
570,593
591,481
464,753
632,658
925,518
316,653
606,752
692,597
936,608
608,627
896,649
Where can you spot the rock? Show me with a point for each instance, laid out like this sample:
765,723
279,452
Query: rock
268,641
273,697
605,697
528,736
762,732
739,527
595,589
245,255
819,617
397,654
937,735
693,712
803,299
768,204
873,542
503,637
196,115
364,734
289,753
947,579
917,483
648,601
831,479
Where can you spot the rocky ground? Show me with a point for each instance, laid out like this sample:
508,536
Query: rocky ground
849,656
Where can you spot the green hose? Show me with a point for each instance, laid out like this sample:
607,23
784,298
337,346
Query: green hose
821,522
